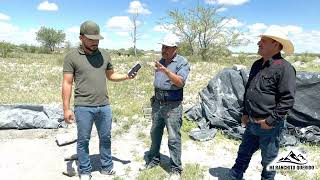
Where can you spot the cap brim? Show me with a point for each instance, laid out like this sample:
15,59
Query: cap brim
94,37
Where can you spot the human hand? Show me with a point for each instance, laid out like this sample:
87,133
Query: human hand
244,120
263,124
68,116
160,67
133,75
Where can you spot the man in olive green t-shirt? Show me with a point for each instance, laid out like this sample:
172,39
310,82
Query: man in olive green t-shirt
89,67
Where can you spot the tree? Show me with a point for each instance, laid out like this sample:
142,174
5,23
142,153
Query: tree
134,34
50,38
184,26
136,9
202,31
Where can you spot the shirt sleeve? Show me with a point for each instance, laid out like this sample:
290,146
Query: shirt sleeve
183,70
68,66
109,62
285,97
109,66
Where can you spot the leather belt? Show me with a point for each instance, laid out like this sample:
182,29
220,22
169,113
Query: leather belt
167,102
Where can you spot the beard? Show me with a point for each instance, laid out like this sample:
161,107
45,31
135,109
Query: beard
91,48
164,55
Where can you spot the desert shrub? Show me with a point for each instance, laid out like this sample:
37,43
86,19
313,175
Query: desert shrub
5,49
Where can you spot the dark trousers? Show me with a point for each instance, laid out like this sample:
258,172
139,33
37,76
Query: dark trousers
169,115
254,137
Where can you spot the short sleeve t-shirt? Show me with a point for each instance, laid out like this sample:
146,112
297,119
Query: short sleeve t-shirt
89,73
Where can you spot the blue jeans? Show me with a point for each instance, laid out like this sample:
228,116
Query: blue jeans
169,115
85,117
254,137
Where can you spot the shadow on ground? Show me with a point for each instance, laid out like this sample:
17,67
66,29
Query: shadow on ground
95,163
164,161
220,172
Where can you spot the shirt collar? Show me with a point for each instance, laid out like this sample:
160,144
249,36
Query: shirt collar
277,56
174,59
269,61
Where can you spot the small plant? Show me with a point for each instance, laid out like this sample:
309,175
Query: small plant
117,178
5,49
151,174
193,171
187,125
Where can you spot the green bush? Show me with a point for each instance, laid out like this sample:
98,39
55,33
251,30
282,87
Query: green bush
304,57
185,49
29,48
131,52
5,49
44,50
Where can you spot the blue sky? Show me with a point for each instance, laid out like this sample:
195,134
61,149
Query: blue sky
20,19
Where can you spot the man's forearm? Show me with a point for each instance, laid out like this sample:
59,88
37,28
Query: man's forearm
66,95
118,77
175,79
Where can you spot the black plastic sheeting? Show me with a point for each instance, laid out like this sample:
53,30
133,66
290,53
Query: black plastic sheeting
222,104
31,116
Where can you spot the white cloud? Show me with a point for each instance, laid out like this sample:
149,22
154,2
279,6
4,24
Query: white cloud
226,2
6,29
122,33
162,28
303,40
145,36
222,9
256,29
106,42
171,36
290,29
72,35
120,23
159,28
115,44
46,6
306,41
137,8
293,29
257,26
210,1
231,23
13,34
4,17
74,29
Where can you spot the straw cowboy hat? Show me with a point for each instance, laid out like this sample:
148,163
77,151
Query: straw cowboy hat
277,34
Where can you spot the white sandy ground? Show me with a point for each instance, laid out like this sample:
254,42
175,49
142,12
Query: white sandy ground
34,155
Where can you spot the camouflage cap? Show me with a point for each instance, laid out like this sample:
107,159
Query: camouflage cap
91,30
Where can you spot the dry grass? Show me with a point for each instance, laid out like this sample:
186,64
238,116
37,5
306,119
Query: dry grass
36,79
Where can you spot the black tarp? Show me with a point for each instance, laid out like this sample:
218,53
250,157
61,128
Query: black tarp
31,116
222,104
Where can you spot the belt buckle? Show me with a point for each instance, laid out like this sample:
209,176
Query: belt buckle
162,102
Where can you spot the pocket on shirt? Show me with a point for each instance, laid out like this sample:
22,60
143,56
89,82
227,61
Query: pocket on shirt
268,82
